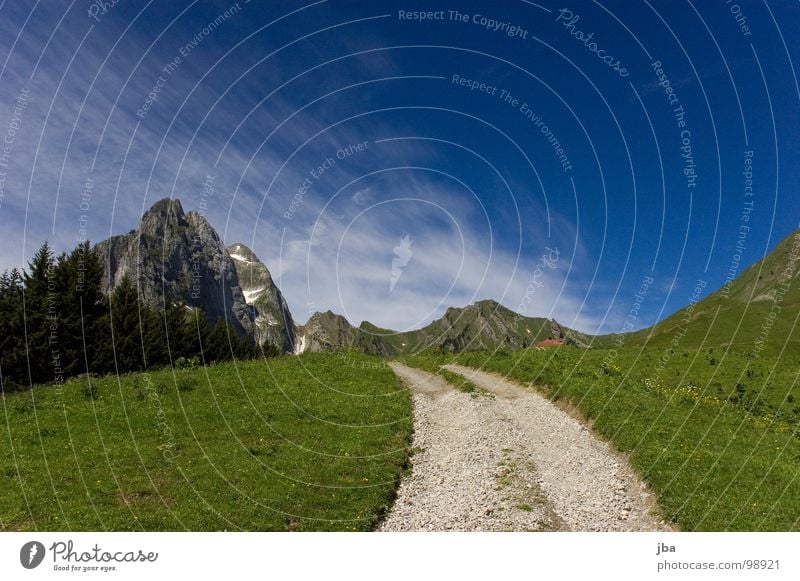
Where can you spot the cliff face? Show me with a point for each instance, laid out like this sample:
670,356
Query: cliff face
179,258
272,321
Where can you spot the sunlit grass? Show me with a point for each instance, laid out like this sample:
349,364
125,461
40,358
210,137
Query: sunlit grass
306,443
718,443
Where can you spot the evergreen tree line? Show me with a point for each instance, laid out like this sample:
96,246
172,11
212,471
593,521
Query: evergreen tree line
55,323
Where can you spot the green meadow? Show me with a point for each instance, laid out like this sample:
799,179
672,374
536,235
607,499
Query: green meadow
316,442
319,441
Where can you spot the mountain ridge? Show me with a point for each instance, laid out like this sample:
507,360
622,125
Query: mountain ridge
179,256
484,324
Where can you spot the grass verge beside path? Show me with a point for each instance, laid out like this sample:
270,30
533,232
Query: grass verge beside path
315,442
713,464
433,364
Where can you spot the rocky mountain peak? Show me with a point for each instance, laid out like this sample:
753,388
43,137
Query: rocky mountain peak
272,321
329,317
327,331
177,258
242,253
165,215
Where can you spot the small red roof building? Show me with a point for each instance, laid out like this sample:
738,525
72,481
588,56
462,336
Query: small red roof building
548,343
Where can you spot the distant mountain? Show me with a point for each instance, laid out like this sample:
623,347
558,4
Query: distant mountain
482,325
486,325
180,258
331,332
272,321
177,257
757,312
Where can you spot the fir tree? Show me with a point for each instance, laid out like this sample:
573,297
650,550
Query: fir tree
179,332
156,329
126,327
220,347
78,280
199,336
55,322
41,317
13,357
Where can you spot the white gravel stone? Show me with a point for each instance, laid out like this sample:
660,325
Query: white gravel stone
515,462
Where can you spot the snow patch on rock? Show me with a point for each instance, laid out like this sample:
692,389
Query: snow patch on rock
300,346
251,295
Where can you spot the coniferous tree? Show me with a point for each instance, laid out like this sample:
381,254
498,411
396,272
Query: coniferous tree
199,336
55,322
219,346
243,347
13,357
179,325
265,350
155,337
78,283
126,327
41,317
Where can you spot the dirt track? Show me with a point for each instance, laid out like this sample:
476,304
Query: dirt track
514,461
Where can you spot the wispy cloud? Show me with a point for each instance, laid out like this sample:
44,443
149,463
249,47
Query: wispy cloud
84,152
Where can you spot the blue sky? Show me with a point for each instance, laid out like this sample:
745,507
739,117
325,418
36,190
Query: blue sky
561,136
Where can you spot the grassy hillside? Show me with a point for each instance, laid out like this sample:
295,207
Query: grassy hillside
757,313
716,438
309,443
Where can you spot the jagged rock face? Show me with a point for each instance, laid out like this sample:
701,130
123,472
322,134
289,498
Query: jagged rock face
179,258
272,321
331,332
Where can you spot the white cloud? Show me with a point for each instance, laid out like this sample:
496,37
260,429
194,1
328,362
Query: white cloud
336,250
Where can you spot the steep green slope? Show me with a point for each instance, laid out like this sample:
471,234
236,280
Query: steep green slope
756,313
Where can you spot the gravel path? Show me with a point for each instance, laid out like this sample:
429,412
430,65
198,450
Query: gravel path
467,470
514,461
